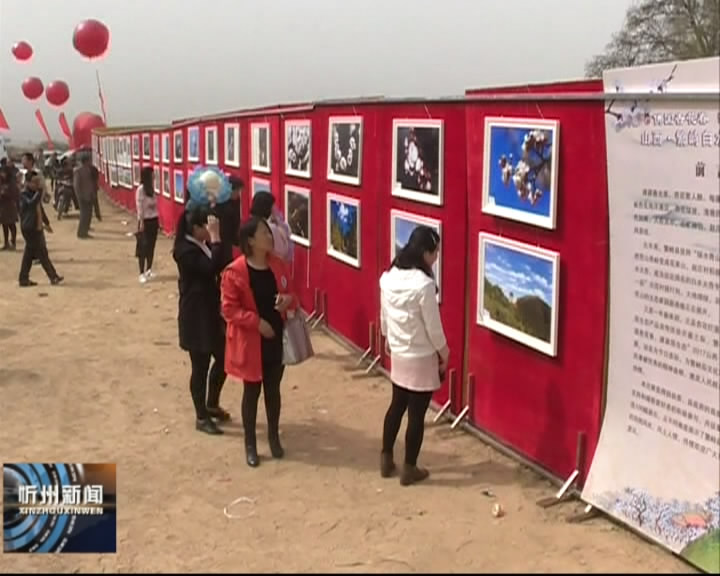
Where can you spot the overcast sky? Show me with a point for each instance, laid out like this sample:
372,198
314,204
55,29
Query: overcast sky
176,58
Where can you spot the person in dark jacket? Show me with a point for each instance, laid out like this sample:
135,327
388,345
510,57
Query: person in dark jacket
229,214
32,222
198,254
9,200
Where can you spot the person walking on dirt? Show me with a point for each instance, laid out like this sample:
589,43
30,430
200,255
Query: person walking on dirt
85,190
33,221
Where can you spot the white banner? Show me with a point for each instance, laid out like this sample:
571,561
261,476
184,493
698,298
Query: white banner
657,464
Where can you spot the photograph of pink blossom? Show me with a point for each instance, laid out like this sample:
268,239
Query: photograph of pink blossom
520,170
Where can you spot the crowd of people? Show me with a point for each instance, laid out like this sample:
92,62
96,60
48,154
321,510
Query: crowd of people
236,295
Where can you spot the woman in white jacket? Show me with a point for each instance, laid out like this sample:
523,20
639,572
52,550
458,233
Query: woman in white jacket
410,322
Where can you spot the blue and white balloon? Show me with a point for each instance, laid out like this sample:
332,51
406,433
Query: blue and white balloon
208,185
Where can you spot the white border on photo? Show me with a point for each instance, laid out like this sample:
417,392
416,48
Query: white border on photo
420,220
396,188
330,250
234,159
342,179
300,192
488,204
548,348
254,145
211,132
289,171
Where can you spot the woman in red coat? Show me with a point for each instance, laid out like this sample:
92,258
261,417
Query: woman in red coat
256,295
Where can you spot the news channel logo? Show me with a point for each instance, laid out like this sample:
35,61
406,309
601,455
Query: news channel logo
59,508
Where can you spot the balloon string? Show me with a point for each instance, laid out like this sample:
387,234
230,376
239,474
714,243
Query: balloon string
100,94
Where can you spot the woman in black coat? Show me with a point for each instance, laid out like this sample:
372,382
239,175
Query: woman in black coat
199,258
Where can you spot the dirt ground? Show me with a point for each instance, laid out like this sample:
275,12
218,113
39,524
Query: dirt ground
90,372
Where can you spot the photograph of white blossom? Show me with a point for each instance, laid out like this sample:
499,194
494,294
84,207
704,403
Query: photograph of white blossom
520,170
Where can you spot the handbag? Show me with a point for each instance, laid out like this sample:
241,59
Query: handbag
297,346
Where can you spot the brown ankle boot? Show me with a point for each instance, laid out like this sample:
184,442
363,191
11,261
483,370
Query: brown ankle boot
387,466
412,475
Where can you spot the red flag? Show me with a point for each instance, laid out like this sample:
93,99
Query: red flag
100,94
65,127
43,126
3,123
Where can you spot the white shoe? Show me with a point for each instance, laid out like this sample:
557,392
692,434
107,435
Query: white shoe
149,274
142,278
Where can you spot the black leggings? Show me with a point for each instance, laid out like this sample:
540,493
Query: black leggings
147,253
272,376
205,390
9,233
416,404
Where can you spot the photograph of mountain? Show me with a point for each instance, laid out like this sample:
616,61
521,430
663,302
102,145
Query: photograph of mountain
518,292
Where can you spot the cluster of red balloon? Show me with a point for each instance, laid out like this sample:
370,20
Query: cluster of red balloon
91,39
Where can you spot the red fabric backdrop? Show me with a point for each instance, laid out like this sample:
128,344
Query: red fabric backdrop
452,215
352,294
533,402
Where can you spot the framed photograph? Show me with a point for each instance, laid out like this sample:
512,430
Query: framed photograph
345,149
193,151
402,225
113,175
232,145
518,291
260,147
211,145
136,146
343,229
126,178
166,182
166,148
297,214
298,148
146,147
136,173
520,175
179,186
156,179
417,167
260,185
156,147
178,147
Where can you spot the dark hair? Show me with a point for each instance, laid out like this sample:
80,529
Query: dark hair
236,183
248,229
146,180
423,239
192,216
28,156
262,205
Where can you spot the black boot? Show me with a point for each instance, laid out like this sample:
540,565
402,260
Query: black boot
251,455
387,465
276,448
208,426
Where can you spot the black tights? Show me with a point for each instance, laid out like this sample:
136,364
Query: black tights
272,376
416,404
205,390
9,233
147,252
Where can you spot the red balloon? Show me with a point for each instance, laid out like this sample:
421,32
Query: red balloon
33,88
22,51
83,126
91,38
57,93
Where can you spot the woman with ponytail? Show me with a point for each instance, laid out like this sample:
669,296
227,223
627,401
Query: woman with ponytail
198,254
415,339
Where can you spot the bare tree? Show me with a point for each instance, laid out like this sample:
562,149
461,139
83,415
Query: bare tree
659,31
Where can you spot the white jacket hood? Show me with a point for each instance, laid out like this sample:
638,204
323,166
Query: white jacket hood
409,313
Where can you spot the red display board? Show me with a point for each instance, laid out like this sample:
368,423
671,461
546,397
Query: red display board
392,125
536,403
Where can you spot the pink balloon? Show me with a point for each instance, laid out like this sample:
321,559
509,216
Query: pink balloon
33,88
57,93
83,126
22,51
91,38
